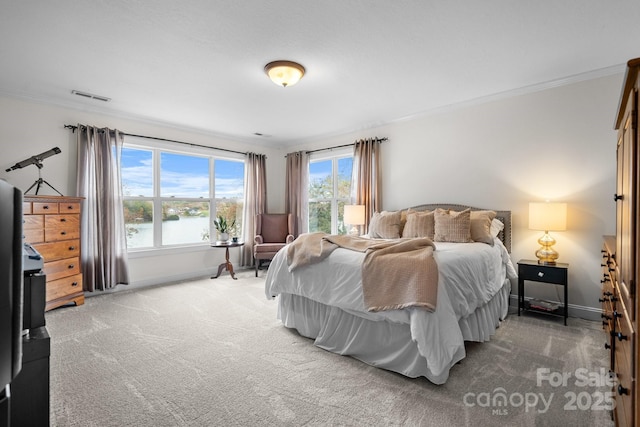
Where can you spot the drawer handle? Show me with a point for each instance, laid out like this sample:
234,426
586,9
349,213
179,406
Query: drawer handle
607,346
63,219
74,284
603,299
617,197
540,274
45,207
621,337
622,390
72,248
69,207
605,316
64,233
70,266
616,315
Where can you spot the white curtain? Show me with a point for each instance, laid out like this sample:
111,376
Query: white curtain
297,190
103,239
255,201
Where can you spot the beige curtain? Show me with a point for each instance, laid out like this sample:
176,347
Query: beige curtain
255,201
297,190
104,247
366,184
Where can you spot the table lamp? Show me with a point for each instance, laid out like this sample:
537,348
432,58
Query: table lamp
547,217
354,216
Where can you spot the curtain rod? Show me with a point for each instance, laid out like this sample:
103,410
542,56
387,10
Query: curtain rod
344,145
73,129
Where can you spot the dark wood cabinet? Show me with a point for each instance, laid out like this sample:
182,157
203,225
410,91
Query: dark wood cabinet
620,267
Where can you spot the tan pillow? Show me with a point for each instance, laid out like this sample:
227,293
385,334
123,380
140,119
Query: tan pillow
481,226
419,224
385,225
452,226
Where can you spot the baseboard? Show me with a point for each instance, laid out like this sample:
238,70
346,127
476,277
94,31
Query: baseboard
164,280
579,311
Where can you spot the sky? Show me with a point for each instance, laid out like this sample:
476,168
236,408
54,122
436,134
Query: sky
180,175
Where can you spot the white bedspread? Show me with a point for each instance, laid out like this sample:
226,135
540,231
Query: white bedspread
470,275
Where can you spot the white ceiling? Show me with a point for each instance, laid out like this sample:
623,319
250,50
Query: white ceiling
198,65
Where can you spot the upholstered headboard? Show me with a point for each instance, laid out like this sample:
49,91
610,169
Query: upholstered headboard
503,216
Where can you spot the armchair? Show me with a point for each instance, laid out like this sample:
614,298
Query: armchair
273,232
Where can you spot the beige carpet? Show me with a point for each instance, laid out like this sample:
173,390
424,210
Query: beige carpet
211,353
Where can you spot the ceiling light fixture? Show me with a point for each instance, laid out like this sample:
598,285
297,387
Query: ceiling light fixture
284,73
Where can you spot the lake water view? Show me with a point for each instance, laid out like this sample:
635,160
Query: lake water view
185,230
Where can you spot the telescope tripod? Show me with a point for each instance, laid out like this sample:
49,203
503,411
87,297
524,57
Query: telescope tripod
38,182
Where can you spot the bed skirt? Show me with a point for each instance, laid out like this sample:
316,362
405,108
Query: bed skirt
385,344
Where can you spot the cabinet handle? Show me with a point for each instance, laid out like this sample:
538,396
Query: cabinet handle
621,337
622,390
74,284
63,233
617,197
72,248
540,274
45,207
65,220
70,266
69,207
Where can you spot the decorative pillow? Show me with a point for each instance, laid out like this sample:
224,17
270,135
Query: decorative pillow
452,226
481,226
419,224
385,225
496,227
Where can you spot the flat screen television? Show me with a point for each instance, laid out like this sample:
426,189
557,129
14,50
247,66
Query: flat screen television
11,282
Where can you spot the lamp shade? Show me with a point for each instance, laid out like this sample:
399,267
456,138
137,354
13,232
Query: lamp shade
547,216
284,73
354,214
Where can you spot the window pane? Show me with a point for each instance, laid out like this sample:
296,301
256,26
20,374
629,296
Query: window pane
185,222
320,217
229,188
183,176
138,219
137,172
320,180
344,177
342,227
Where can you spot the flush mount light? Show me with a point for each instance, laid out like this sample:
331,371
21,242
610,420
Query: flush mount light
284,73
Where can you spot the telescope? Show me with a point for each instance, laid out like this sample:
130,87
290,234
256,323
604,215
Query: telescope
35,160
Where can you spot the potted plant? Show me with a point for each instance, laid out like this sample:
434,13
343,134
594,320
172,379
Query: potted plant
224,227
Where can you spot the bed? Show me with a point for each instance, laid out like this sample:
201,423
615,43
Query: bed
324,300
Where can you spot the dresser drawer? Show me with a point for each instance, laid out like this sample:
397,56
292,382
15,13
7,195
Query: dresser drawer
58,269
40,208
541,273
55,234
33,222
62,287
58,250
69,207
26,208
61,220
33,236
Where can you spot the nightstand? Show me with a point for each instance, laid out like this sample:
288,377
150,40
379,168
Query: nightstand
553,274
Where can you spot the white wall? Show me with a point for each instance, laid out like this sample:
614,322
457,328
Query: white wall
556,144
28,128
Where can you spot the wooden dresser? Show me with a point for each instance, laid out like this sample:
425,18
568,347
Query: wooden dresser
52,227
620,302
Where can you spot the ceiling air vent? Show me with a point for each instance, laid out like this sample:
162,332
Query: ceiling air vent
91,96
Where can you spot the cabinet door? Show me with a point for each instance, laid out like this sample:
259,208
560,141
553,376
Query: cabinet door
625,207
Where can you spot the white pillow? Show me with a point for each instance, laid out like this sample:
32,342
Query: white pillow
496,227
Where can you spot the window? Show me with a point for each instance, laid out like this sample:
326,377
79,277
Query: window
329,191
171,196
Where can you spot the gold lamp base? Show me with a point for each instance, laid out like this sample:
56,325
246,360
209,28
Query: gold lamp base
546,254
